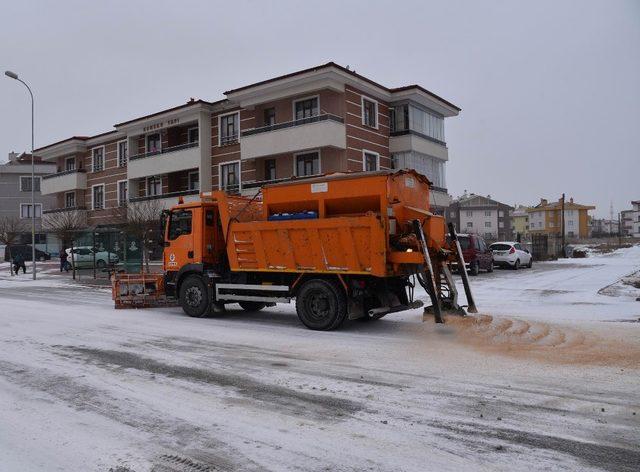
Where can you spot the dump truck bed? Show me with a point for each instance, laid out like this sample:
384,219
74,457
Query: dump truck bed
350,234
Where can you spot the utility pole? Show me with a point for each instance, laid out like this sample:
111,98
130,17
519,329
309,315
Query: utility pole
562,226
619,228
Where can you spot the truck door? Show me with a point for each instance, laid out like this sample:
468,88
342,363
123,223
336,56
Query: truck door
179,249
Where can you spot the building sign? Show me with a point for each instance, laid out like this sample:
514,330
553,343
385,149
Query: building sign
160,125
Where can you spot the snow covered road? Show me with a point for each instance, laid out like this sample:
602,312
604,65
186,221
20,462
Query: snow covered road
86,387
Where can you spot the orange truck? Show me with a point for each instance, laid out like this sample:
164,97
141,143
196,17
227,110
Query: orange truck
346,245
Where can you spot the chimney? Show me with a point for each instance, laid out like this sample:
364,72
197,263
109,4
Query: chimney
13,156
543,201
489,196
571,200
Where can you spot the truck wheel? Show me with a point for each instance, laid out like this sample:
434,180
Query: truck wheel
321,305
252,306
193,296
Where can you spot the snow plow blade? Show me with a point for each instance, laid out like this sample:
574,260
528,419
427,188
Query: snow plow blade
139,291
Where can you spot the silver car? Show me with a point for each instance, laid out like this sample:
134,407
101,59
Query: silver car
83,256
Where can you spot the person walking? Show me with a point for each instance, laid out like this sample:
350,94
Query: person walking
18,262
64,262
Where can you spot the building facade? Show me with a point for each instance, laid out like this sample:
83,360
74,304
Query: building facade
630,220
320,120
481,215
15,195
520,220
546,218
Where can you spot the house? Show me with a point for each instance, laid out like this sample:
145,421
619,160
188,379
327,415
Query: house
520,221
485,216
15,195
319,120
546,218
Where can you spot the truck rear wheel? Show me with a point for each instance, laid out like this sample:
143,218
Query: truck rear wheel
321,305
194,297
252,306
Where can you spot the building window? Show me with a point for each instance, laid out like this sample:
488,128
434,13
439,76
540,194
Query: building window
500,224
469,224
154,186
399,117
270,169
193,182
70,199
487,224
97,161
469,213
193,135
427,123
25,184
452,214
122,153
27,212
97,194
70,163
230,177
306,108
123,191
370,161
570,223
269,116
153,142
487,213
307,164
369,112
500,213
229,125
430,166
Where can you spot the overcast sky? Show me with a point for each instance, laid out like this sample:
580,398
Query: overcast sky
550,90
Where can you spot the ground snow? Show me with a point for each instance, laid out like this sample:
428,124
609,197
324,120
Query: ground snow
86,387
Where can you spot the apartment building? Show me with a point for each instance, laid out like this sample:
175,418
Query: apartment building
520,221
320,120
604,227
15,194
546,218
481,215
631,220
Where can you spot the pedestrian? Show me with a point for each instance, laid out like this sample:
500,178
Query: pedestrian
64,263
18,261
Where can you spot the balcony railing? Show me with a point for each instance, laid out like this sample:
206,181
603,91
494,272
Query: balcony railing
291,124
179,147
64,172
404,132
60,210
180,193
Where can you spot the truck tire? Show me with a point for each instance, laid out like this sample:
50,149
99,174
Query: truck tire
321,305
252,306
194,296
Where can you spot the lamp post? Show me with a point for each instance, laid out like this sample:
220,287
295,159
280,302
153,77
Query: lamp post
13,75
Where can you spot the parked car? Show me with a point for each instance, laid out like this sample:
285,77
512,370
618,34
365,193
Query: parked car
83,256
511,254
25,250
477,255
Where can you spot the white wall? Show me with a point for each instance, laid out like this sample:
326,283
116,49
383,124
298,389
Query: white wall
478,220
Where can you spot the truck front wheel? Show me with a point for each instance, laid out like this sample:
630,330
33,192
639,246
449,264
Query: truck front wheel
193,296
321,305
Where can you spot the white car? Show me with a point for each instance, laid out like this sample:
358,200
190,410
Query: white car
511,254
83,256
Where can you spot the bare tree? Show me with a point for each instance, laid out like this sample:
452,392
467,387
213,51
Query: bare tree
10,229
142,219
65,225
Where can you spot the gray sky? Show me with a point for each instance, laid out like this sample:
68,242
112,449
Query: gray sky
550,90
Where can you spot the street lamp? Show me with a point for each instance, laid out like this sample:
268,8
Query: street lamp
13,75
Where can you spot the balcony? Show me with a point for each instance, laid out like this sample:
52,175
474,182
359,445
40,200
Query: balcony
172,159
282,138
409,140
60,218
166,200
64,181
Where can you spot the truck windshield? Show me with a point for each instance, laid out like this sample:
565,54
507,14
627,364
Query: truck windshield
179,223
